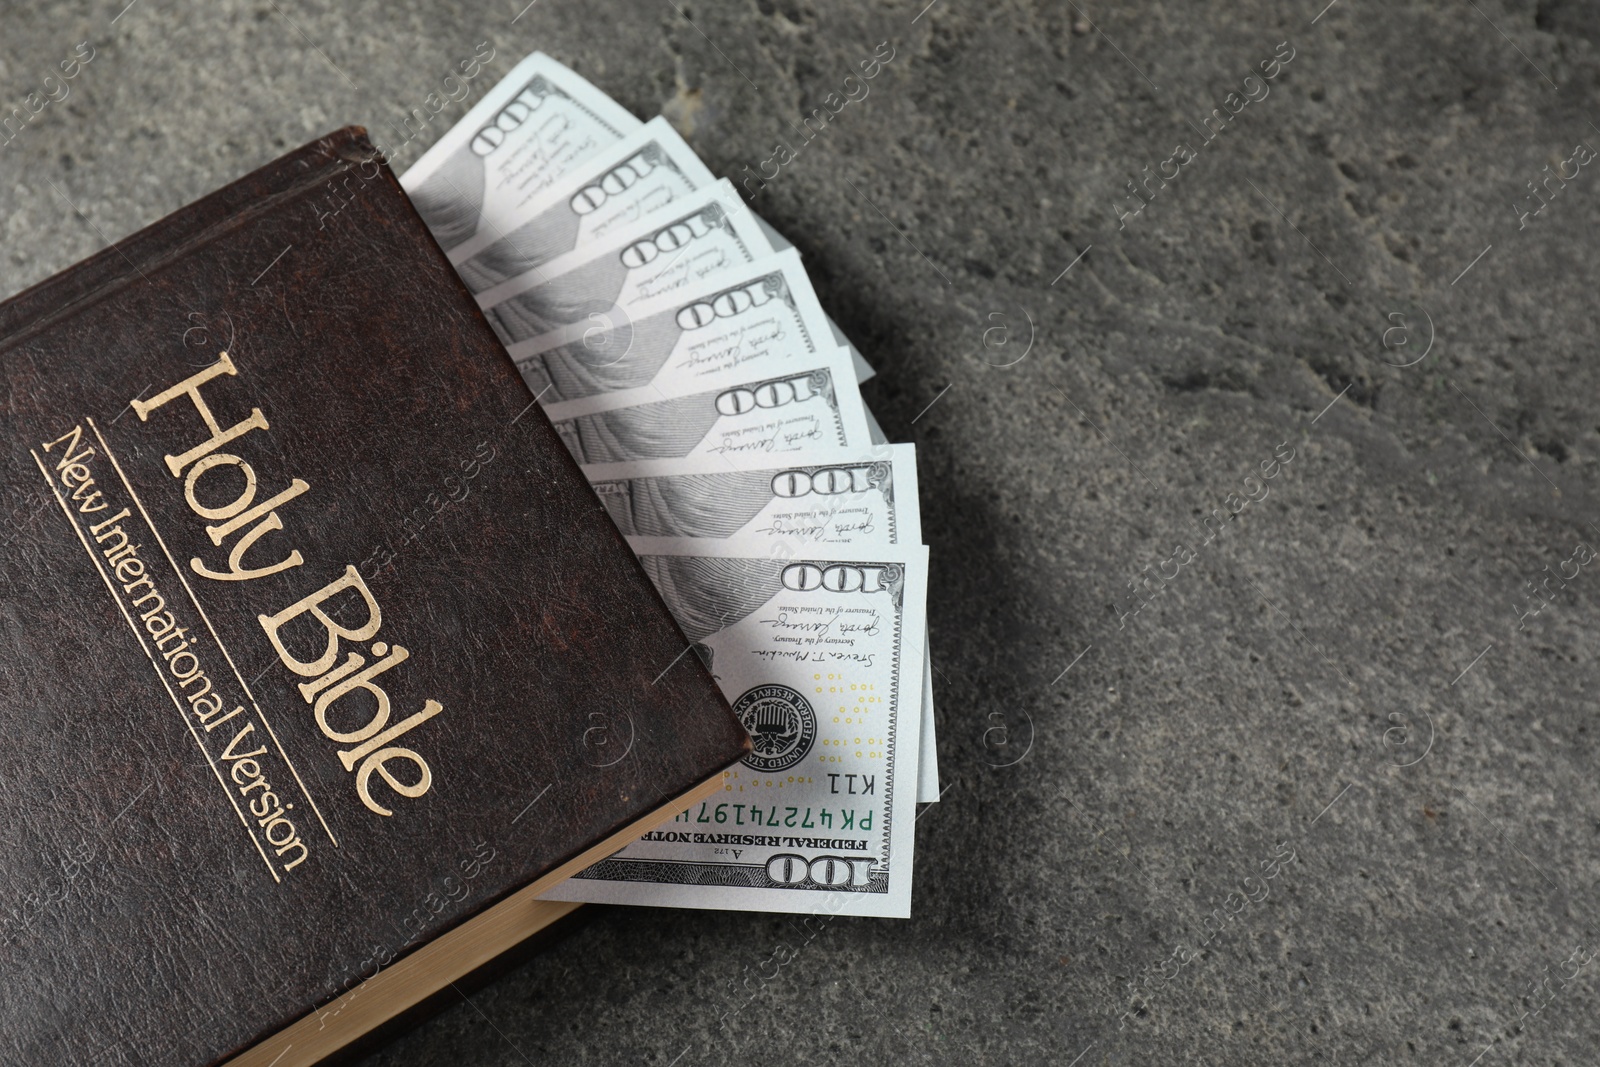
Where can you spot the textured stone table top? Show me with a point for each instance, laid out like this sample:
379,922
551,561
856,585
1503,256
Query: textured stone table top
1258,443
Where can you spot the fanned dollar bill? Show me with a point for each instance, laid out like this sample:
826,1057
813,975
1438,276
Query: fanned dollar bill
537,124
723,401
821,658
804,504
636,177
761,318
707,235
813,406
639,176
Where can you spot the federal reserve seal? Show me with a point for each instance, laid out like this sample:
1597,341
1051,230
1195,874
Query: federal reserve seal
781,726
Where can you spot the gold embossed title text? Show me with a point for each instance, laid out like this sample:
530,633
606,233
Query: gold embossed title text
370,749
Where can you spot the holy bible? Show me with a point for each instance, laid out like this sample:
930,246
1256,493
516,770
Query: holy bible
321,661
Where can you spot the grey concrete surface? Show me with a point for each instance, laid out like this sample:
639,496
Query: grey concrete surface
1346,689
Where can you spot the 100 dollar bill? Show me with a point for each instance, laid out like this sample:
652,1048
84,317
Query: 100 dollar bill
537,124
812,406
821,658
806,502
706,235
757,320
798,504
640,175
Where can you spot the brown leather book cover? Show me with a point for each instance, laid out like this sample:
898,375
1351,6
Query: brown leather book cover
320,658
